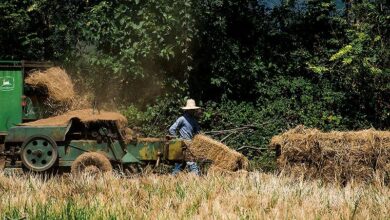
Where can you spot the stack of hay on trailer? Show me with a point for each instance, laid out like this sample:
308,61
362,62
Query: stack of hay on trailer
361,156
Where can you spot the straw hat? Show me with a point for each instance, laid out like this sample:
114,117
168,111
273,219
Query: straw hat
190,105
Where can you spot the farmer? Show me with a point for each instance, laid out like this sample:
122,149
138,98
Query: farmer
188,127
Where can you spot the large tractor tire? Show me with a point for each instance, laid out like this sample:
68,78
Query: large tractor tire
91,162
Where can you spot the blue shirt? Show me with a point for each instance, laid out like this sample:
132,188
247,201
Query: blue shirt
188,127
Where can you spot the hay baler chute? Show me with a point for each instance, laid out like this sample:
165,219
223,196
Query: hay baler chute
40,148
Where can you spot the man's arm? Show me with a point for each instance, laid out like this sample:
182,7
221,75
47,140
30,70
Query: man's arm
173,129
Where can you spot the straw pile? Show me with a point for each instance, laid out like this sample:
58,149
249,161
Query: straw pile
86,116
56,81
91,162
361,156
204,147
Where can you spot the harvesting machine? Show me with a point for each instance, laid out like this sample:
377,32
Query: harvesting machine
81,144
77,143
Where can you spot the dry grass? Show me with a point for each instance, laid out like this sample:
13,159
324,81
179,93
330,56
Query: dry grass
249,196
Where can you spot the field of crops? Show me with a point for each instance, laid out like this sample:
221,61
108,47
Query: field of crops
244,196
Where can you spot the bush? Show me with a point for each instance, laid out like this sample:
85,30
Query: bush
154,120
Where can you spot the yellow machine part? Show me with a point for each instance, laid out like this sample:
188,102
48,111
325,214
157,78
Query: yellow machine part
175,150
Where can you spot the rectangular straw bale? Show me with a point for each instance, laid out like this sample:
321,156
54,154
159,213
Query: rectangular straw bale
204,147
333,156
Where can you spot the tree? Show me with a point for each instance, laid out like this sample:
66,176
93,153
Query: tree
38,30
139,48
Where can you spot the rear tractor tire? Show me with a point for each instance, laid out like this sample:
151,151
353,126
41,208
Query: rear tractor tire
91,163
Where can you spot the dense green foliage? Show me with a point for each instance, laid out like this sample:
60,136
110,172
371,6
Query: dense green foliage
265,69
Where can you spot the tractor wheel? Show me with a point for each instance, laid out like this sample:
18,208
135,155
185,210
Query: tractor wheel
91,162
39,153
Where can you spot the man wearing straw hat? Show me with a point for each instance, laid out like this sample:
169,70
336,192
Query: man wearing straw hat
188,127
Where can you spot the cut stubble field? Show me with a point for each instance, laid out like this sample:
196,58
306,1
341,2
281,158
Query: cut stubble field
232,196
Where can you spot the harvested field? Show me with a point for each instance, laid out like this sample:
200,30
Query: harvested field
361,156
186,196
56,81
85,116
223,157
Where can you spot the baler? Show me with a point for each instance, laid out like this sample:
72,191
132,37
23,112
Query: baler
97,144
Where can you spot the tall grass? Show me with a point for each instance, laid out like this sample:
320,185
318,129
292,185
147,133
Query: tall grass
241,196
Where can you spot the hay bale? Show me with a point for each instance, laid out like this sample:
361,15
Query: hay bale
85,116
56,81
333,156
204,147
